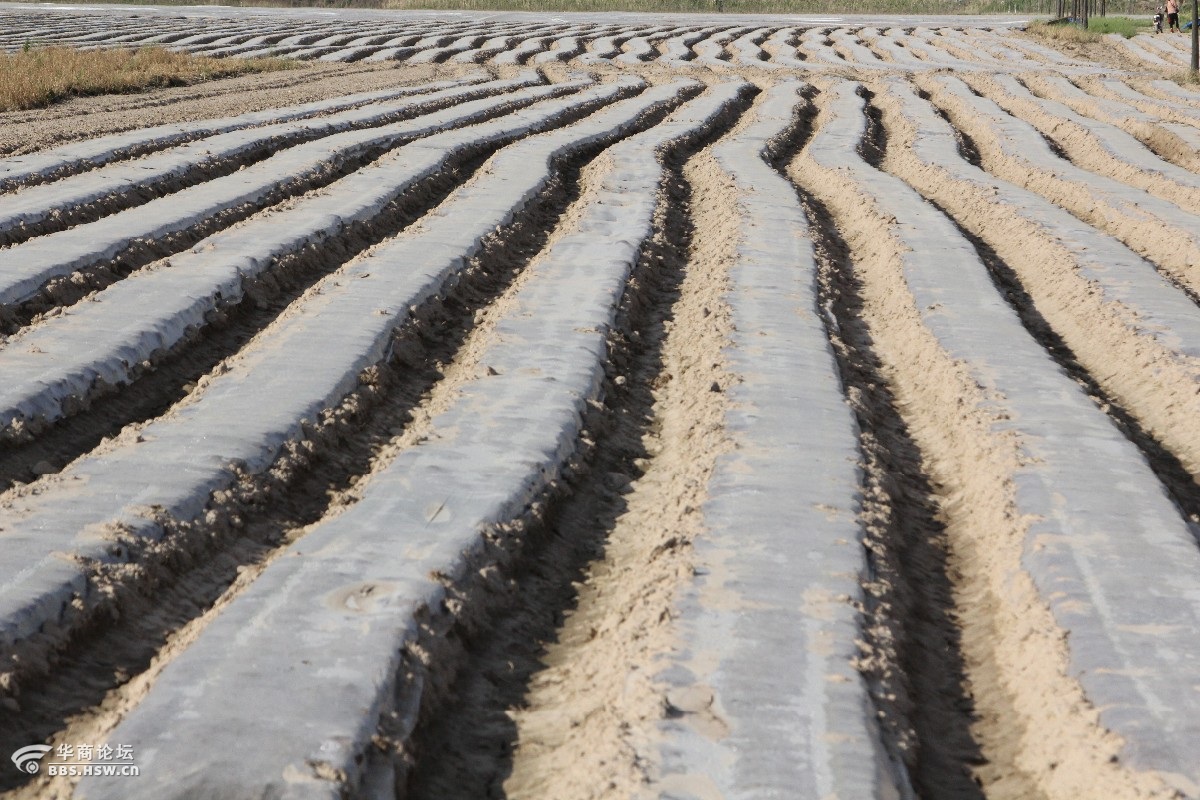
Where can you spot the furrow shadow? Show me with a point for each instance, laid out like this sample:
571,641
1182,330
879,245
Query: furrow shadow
911,654
480,662
161,598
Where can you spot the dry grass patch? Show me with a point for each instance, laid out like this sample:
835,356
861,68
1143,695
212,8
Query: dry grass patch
1063,33
39,76
1095,32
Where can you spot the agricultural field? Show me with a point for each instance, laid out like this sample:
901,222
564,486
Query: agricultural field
601,406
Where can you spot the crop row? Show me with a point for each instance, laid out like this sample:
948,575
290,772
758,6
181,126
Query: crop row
828,434
486,40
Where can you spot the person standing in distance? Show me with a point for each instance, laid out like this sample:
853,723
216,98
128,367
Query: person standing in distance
1173,15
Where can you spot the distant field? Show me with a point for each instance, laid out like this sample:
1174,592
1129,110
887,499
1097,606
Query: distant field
1040,7
733,6
738,6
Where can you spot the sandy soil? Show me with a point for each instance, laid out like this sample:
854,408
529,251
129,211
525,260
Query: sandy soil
540,665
